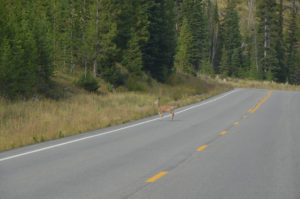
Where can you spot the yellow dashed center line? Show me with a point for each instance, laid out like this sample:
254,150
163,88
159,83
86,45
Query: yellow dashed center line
261,102
251,110
157,176
202,148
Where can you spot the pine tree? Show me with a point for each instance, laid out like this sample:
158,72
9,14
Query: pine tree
215,50
179,11
237,70
62,33
26,62
182,59
134,34
195,26
158,52
224,66
4,20
280,73
107,48
231,36
248,52
292,62
197,21
268,38
253,73
204,35
44,51
83,50
7,81
132,58
101,35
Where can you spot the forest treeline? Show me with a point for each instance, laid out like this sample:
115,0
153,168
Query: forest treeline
124,42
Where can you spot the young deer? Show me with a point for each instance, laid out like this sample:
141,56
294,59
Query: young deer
164,108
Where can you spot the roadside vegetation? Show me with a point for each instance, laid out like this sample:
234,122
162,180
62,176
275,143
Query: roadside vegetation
76,110
248,83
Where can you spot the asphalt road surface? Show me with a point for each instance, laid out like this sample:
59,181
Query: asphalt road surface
244,144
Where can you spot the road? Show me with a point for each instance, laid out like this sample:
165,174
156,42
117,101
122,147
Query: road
244,144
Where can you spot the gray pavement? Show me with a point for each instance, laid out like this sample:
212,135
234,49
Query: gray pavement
257,158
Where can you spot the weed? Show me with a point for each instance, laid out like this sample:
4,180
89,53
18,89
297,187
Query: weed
42,138
35,139
61,134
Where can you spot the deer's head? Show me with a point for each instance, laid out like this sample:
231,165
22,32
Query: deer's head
157,101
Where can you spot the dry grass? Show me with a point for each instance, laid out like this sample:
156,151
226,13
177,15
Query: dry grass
24,123
243,83
28,122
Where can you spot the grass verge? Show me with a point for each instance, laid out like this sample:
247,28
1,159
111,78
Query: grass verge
244,83
27,122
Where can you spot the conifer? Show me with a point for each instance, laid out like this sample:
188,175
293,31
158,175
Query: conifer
182,59
292,61
159,50
268,38
231,37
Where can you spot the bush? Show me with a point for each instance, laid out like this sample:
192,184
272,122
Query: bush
88,82
134,84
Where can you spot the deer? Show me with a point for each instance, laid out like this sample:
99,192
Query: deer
164,108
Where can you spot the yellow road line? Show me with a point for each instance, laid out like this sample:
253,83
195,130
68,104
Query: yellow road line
236,123
223,132
202,148
157,176
261,102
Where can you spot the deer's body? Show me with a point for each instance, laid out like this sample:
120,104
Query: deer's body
164,108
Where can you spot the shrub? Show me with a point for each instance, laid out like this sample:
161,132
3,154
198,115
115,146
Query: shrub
35,139
134,84
61,134
88,82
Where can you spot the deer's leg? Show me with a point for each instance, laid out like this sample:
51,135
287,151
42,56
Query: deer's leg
160,114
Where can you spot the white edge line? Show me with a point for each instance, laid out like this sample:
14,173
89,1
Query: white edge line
108,132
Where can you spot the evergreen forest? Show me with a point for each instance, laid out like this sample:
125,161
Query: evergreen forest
123,42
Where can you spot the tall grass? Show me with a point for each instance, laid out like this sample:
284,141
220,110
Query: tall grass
244,83
27,122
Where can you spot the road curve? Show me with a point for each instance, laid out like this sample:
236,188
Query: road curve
243,144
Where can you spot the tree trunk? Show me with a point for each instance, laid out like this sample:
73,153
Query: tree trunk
54,35
85,69
214,46
64,68
266,37
255,43
84,53
250,6
72,61
96,41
